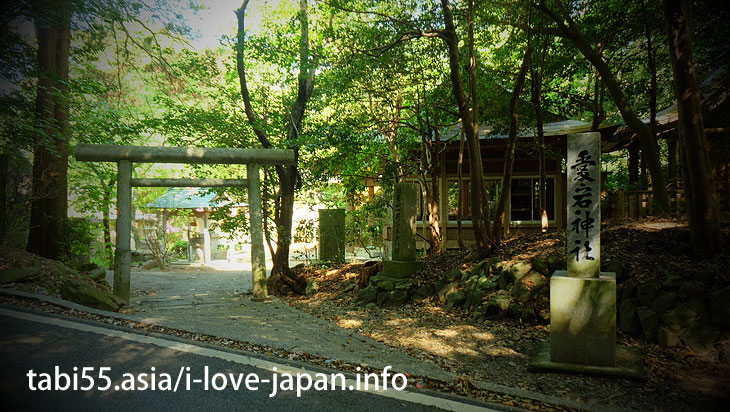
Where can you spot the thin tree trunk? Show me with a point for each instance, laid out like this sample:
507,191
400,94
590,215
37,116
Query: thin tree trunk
509,154
471,133
4,162
699,187
648,145
282,279
536,77
460,201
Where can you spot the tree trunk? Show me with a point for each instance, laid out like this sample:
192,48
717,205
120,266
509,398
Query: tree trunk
509,154
460,201
699,188
433,216
50,156
537,102
471,133
648,145
4,162
282,280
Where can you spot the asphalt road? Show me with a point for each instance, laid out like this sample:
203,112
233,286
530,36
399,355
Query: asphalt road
31,341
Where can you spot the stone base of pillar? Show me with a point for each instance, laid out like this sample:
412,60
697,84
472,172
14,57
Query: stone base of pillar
400,269
583,330
628,364
583,319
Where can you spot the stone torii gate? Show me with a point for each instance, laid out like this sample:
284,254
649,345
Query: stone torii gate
124,156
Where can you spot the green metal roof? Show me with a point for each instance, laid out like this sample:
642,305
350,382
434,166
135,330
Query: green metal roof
187,198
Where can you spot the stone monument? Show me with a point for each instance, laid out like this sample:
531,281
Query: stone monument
403,262
332,235
582,298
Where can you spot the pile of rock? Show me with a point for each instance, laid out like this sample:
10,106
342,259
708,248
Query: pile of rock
693,309
489,288
86,285
384,290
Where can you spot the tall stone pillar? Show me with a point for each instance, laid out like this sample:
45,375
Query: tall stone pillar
583,299
123,254
258,258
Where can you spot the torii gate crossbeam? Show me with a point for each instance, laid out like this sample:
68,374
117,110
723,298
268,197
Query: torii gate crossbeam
125,155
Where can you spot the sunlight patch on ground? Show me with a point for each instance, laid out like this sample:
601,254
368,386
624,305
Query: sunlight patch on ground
349,323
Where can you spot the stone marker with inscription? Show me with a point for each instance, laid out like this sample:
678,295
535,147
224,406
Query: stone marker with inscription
404,262
332,235
583,299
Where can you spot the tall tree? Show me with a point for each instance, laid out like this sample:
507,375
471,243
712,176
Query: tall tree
282,278
568,28
509,154
50,154
480,219
698,177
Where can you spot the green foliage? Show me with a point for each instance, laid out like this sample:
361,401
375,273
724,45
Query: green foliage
365,223
180,249
81,237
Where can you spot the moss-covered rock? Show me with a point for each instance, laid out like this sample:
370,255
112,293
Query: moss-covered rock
367,295
89,295
19,274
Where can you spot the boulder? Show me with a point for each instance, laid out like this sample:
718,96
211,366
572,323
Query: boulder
454,275
424,291
534,280
683,315
484,284
446,290
528,314
88,267
503,281
382,298
473,299
690,290
720,309
396,298
627,317
615,265
312,287
514,310
521,292
454,299
348,286
664,301
540,265
19,274
646,293
667,337
519,270
87,294
649,323
556,263
385,285
701,335
628,290
471,283
367,295
97,274
150,264
498,304
404,284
